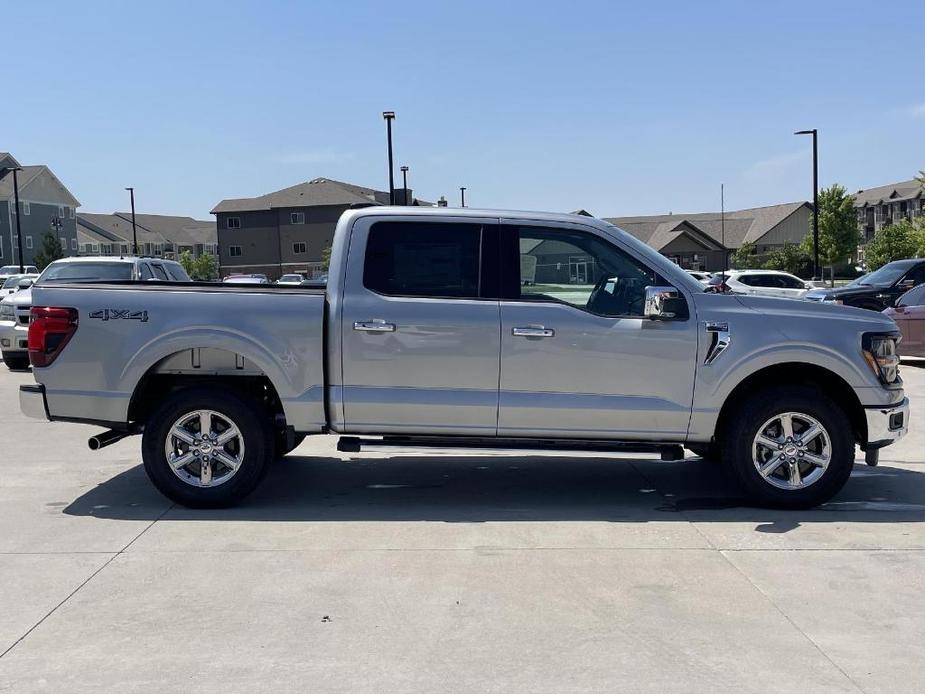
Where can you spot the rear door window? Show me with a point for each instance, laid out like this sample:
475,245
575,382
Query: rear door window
914,297
424,259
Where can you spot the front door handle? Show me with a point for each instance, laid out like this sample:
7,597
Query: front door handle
374,326
533,331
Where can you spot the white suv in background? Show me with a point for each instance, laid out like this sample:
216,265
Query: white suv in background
760,283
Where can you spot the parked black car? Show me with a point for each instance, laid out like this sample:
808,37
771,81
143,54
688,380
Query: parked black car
879,289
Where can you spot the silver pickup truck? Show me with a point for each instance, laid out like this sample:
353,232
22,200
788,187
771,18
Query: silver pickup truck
468,328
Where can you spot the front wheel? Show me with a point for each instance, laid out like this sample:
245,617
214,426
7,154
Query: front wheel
789,447
206,448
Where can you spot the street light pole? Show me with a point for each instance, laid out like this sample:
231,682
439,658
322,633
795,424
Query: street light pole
815,133
462,195
134,231
389,117
404,183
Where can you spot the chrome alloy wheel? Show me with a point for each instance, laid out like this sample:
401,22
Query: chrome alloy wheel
204,448
791,450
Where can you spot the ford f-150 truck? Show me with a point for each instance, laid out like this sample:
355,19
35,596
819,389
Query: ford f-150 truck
429,334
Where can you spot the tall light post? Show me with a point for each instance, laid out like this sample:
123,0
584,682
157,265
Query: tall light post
462,195
389,117
404,184
815,134
4,172
131,192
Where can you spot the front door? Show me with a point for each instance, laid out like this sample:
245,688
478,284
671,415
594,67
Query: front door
420,327
577,357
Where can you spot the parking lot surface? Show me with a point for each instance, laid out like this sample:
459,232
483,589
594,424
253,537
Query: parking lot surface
453,572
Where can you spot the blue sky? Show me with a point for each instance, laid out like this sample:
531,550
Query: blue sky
620,108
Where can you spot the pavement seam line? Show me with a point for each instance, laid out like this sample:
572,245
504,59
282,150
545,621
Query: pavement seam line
722,553
85,582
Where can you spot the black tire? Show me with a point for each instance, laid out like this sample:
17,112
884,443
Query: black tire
760,407
16,362
257,438
280,445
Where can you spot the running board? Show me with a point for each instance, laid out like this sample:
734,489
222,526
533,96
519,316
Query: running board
354,444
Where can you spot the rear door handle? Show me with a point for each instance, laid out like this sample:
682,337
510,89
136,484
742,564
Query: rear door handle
374,326
533,331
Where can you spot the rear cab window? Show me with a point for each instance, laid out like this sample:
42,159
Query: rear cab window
425,259
159,271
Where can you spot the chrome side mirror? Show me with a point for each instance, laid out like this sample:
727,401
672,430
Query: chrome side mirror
662,303
25,284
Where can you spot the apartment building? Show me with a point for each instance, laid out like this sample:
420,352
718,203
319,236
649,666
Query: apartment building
287,230
884,205
45,206
158,235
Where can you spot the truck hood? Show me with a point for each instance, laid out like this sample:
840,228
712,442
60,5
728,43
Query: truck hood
21,298
793,316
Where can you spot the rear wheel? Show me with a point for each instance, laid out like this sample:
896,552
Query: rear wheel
16,362
789,447
206,448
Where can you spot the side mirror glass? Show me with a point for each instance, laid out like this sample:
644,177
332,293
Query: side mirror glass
663,303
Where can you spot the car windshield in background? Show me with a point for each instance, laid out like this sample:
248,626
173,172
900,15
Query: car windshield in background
85,272
9,269
886,275
12,282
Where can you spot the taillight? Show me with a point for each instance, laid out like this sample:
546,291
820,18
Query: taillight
49,331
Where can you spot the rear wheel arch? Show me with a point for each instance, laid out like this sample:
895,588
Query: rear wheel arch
797,373
156,385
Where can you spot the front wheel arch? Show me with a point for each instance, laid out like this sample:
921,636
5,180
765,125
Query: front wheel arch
796,373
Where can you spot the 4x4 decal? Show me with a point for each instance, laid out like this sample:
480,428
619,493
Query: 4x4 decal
119,314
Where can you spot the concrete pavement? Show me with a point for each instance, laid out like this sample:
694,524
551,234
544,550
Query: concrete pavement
453,572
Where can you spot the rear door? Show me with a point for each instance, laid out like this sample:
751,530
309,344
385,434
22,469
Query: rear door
420,326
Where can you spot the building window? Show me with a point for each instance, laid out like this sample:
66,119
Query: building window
124,249
73,244
106,249
60,211
297,218
71,212
63,244
298,247
96,249
158,249
211,249
28,242
26,209
233,223
234,251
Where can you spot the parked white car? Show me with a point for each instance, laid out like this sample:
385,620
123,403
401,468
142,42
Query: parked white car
760,283
292,278
699,275
8,270
12,283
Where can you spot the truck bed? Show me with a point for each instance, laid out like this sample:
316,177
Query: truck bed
128,331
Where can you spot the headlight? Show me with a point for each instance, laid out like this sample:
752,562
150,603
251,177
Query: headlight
880,353
7,312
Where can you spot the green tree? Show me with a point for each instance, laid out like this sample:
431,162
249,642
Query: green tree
50,250
838,227
201,268
326,258
745,256
789,258
893,242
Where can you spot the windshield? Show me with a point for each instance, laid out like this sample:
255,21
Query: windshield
886,275
85,272
13,282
